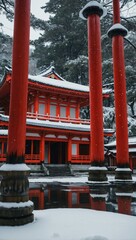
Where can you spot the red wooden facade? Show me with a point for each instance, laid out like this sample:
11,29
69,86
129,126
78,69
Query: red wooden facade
55,133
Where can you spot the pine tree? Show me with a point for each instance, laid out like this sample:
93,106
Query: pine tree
5,52
64,41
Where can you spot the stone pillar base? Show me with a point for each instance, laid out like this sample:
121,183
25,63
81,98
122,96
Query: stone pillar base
15,216
97,174
15,207
123,174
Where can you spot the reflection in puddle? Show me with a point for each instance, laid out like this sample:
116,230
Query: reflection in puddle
121,199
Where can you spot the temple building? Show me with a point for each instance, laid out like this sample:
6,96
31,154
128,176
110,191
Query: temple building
111,152
55,133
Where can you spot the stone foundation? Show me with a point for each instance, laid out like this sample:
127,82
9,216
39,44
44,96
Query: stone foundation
15,207
97,174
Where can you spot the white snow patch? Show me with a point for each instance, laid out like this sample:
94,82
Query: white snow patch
16,205
123,170
98,168
14,167
74,224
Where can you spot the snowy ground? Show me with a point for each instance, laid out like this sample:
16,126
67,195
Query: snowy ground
73,224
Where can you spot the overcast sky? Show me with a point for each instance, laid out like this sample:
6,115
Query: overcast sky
39,13
35,9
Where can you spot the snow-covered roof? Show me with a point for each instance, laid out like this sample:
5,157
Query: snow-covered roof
131,150
41,78
51,124
131,141
59,84
63,84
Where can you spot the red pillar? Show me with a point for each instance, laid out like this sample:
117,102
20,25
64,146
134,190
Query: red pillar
15,176
19,83
117,32
95,82
92,12
42,148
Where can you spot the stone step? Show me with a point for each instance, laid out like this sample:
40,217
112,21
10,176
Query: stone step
59,170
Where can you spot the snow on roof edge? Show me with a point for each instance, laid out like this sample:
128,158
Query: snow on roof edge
51,124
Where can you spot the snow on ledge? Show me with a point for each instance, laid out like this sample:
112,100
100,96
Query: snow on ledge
98,195
98,182
124,194
14,167
123,170
98,168
16,205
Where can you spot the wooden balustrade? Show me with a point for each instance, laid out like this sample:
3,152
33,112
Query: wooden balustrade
57,118
32,158
81,159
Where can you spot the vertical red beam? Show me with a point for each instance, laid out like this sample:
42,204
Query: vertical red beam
120,91
36,104
92,12
116,11
42,148
16,181
120,100
95,82
19,83
117,32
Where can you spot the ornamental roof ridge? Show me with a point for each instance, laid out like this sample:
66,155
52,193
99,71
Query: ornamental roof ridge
50,70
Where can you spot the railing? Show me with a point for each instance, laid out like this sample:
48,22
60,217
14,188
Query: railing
29,158
32,158
81,159
57,118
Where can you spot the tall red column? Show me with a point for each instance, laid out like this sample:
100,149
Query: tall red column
117,32
14,184
19,83
92,12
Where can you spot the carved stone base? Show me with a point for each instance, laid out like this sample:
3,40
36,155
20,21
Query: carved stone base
123,174
16,221
97,174
15,207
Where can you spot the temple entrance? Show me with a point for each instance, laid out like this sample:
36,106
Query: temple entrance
58,152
